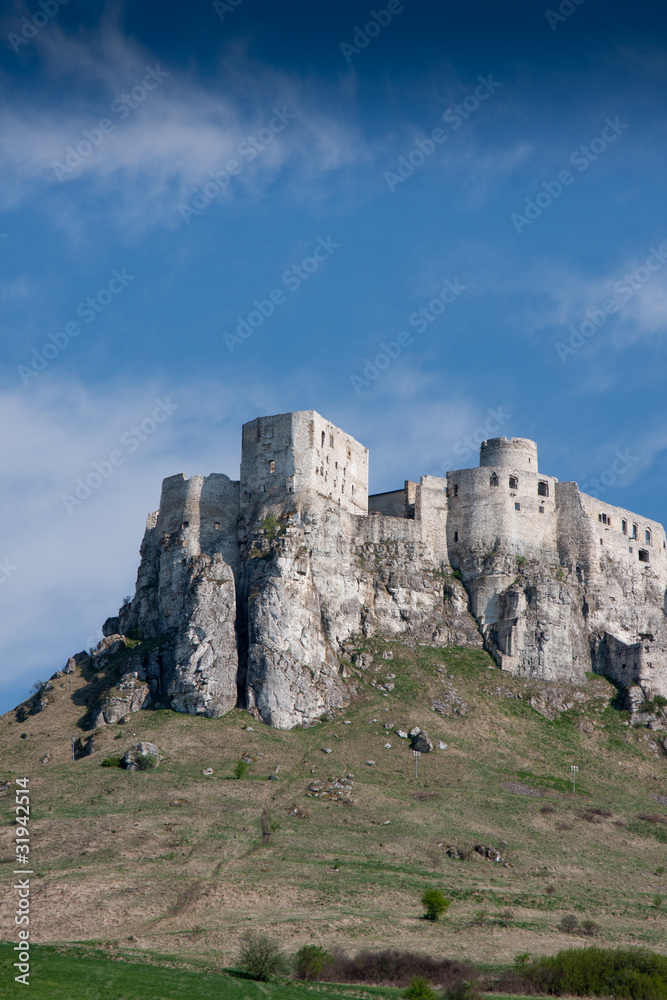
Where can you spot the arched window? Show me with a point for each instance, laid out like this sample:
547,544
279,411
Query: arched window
634,531
647,536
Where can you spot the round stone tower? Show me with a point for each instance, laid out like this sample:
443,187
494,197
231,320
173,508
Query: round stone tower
519,454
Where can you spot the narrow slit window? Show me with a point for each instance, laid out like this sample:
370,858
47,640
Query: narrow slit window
216,525
634,531
272,465
456,536
624,527
493,479
647,536
324,438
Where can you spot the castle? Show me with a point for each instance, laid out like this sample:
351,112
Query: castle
251,591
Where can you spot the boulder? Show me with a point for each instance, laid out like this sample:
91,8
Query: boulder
142,757
421,742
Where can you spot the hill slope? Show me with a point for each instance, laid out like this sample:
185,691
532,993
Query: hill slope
175,861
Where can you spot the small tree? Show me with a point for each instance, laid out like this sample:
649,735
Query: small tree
240,769
435,904
260,956
420,989
309,961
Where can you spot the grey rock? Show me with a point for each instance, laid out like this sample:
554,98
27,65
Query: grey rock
141,755
441,745
415,731
401,734
422,743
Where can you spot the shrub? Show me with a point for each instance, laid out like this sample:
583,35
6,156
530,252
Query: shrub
506,916
420,989
395,968
522,959
310,960
480,918
569,924
550,889
111,762
240,769
464,989
260,956
146,762
435,904
589,928
657,900
631,974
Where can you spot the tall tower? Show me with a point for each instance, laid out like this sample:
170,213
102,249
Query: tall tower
302,451
519,454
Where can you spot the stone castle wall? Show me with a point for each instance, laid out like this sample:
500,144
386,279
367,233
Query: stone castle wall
254,588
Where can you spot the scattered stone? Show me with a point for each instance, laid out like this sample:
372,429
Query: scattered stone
298,812
415,731
389,725
370,761
46,758
662,799
347,722
4,786
400,733
178,802
421,742
492,853
273,777
326,750
441,745
387,746
249,729
458,855
207,770
24,736
387,655
336,790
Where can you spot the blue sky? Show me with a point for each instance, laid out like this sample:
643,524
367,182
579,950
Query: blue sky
167,167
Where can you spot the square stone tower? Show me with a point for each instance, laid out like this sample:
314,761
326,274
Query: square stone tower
303,452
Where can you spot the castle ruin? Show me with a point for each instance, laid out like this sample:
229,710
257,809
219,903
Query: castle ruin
250,592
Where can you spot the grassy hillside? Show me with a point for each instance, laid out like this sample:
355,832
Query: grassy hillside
175,862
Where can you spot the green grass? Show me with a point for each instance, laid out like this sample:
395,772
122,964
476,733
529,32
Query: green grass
88,974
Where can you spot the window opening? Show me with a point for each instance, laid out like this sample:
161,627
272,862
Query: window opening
647,536
624,527
493,479
514,482
517,506
643,555
543,489
456,536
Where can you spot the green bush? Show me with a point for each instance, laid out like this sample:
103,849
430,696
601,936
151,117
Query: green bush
627,974
309,962
260,956
420,989
465,989
146,762
240,769
435,904
111,762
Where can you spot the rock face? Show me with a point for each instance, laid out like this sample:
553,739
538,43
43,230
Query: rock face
253,592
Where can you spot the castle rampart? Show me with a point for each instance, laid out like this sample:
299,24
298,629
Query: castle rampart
261,582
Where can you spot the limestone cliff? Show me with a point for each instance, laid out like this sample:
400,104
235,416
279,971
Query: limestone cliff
252,592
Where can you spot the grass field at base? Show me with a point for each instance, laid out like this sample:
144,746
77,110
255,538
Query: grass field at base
76,973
